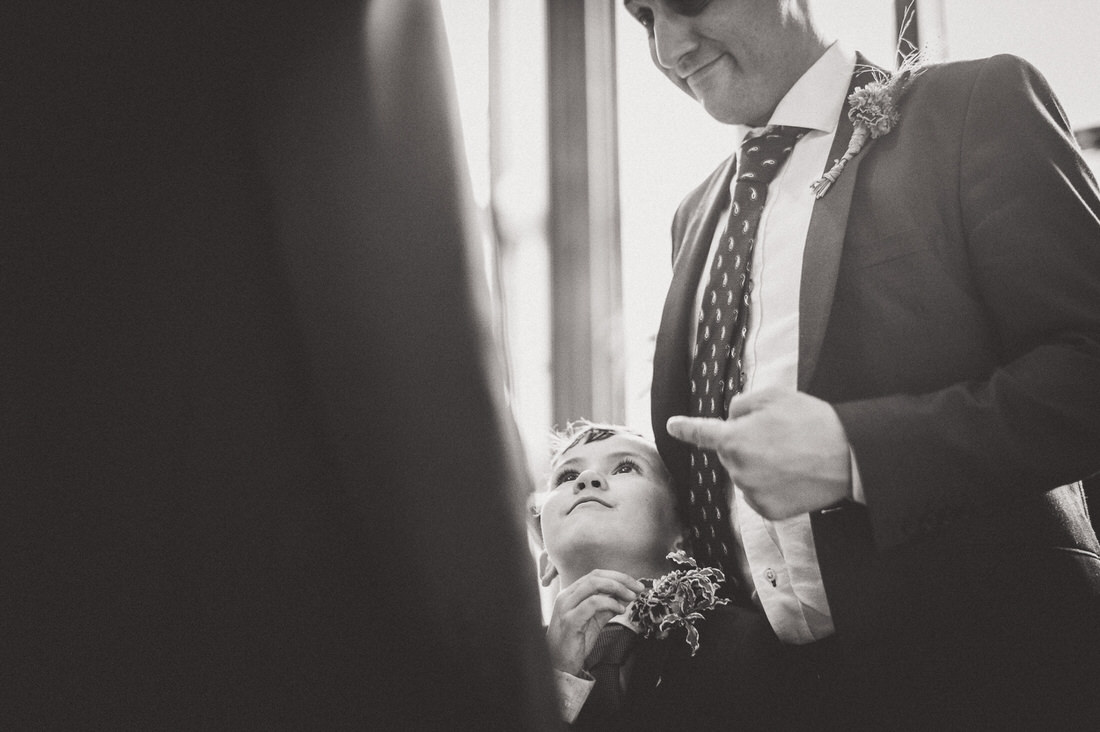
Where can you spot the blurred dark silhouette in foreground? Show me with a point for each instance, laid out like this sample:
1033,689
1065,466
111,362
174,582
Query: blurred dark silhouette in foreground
254,467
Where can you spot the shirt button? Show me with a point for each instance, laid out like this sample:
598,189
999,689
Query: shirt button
770,576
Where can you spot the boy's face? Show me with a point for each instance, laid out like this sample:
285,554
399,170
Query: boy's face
610,498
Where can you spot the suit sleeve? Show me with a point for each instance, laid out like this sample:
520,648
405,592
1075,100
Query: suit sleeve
1031,215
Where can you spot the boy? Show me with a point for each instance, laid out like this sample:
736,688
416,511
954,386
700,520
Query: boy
608,520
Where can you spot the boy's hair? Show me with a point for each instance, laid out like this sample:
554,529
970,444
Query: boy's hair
583,430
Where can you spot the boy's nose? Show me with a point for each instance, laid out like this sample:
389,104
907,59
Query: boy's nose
590,480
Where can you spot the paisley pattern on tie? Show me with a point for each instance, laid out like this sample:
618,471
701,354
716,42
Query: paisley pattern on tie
717,370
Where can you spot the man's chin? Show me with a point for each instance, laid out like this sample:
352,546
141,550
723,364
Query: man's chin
726,115
680,84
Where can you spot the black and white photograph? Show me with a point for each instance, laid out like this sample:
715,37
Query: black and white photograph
507,365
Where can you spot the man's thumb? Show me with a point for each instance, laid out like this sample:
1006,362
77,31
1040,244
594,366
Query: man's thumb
705,432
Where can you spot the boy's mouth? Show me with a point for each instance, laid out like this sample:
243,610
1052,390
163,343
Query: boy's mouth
587,499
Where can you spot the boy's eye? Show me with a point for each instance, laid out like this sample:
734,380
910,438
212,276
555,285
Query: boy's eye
565,476
645,17
626,466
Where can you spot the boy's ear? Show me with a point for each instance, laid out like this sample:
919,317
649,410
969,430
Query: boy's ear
547,570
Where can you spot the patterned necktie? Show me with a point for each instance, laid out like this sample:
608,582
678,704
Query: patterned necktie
717,373
604,664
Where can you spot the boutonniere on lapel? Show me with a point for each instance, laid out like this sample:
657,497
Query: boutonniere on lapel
874,111
677,600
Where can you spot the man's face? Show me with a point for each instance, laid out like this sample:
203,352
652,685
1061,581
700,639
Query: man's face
736,57
610,498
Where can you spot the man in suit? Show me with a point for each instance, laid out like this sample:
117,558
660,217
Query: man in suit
896,435
607,521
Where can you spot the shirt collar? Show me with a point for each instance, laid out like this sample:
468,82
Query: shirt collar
816,99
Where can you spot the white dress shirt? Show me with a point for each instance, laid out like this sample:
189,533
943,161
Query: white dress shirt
781,559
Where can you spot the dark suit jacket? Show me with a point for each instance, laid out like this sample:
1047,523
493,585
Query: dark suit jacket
950,312
734,680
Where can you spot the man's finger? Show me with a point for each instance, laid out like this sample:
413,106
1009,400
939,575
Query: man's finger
706,432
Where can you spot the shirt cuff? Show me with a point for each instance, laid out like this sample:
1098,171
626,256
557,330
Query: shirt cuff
857,482
573,692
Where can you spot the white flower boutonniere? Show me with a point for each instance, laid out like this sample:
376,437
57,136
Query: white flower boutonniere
677,600
873,110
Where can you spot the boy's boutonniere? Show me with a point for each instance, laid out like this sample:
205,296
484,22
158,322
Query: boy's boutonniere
678,599
873,110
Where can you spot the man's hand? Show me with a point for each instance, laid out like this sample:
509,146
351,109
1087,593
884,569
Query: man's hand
580,612
785,450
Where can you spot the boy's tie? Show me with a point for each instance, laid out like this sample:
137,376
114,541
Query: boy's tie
717,371
605,663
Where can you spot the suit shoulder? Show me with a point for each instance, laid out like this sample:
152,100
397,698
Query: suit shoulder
987,94
1005,72
971,67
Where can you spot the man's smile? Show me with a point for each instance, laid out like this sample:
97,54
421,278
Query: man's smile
700,70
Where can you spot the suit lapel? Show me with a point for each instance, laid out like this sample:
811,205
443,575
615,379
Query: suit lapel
824,244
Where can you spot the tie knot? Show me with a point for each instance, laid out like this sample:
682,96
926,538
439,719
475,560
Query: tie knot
612,645
763,156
